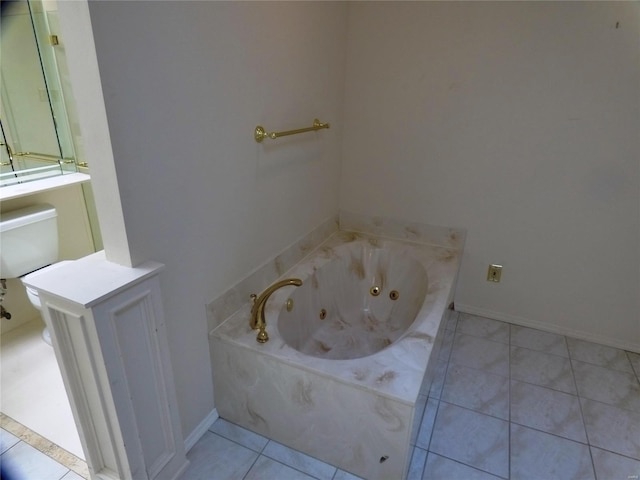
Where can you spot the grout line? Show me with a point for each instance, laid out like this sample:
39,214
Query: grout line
293,467
568,357
474,411
551,434
444,379
252,465
584,425
614,453
298,452
243,429
424,462
45,446
469,466
633,368
545,386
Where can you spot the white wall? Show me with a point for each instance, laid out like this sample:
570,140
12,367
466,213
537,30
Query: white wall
517,121
185,84
521,122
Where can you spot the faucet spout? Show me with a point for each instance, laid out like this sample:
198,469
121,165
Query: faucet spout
257,320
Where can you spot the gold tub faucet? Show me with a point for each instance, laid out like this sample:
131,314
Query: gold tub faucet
257,320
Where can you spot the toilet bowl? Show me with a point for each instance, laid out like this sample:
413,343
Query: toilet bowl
34,298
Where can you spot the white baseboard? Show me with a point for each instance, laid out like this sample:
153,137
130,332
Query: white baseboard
525,322
200,430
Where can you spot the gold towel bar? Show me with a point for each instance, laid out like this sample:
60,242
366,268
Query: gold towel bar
260,133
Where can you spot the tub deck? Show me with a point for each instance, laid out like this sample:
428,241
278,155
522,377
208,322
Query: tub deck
360,414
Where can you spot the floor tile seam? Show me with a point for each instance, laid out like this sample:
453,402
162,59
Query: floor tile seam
582,397
435,416
450,402
589,441
459,332
453,340
587,445
584,423
33,439
636,412
557,435
439,398
465,464
18,440
538,351
476,369
444,374
446,368
628,457
419,425
544,386
545,352
635,371
472,410
424,462
259,452
424,411
433,427
297,451
251,466
297,468
604,367
41,453
555,389
335,474
501,323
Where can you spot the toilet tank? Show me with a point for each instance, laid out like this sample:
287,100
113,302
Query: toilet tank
28,240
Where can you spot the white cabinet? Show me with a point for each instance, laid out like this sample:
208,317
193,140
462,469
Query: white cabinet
109,334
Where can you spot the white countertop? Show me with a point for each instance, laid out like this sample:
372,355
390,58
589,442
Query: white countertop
29,188
90,279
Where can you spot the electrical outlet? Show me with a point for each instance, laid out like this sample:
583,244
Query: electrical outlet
494,273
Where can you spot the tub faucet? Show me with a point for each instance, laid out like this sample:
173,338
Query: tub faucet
257,320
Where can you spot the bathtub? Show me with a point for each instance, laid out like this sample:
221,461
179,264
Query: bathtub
346,372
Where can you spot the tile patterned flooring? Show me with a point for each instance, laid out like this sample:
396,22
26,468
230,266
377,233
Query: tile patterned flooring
31,387
508,402
28,456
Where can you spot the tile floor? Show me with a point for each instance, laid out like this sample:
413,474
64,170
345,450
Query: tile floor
508,402
32,391
21,461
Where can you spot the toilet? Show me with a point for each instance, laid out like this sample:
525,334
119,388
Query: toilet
34,298
29,240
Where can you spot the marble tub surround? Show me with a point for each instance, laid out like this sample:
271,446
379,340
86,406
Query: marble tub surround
223,306
372,372
358,414
403,229
230,301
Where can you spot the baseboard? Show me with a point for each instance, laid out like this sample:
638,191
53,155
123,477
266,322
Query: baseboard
200,430
525,322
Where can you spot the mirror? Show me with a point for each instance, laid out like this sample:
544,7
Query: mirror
36,112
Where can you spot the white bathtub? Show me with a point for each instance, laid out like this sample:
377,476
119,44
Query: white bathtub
360,302
345,373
